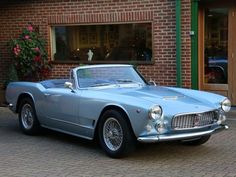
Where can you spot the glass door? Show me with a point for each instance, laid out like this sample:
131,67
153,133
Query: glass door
216,46
213,49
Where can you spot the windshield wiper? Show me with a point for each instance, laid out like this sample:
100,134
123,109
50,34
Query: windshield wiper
124,80
100,84
128,81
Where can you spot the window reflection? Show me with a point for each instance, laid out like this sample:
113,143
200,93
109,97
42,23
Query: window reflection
216,46
117,42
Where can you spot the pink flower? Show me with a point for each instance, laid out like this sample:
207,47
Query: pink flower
36,49
37,59
16,50
30,28
27,37
16,53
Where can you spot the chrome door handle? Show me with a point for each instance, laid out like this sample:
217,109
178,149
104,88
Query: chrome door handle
47,94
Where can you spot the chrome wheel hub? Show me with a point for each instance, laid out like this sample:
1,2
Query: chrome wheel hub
27,116
112,134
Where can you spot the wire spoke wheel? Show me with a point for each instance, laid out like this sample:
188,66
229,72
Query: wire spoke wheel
28,120
112,134
115,134
27,116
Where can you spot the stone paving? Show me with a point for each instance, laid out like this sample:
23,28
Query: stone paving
54,154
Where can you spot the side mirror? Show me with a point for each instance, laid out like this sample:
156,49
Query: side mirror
69,85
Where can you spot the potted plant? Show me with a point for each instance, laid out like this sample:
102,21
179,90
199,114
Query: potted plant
30,55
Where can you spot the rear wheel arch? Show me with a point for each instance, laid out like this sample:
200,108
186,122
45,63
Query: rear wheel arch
28,120
22,97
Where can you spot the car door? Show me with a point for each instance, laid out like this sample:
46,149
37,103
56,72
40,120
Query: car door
61,109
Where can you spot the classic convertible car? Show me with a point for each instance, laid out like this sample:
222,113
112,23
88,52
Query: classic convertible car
115,104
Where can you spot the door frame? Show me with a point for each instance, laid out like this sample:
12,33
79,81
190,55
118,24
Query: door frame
222,89
231,55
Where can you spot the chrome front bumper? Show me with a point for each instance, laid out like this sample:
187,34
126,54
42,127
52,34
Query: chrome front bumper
182,136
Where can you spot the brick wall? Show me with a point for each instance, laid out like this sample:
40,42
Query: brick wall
16,15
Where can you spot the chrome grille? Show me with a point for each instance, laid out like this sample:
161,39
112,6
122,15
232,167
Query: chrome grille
194,120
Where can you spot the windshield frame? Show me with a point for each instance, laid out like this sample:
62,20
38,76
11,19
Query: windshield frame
136,75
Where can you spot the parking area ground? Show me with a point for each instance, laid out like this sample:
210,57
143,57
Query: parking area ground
55,154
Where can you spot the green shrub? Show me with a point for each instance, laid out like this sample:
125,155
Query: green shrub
30,56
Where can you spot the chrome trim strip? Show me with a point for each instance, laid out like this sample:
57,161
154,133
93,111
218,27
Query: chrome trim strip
70,123
159,138
196,127
67,132
190,113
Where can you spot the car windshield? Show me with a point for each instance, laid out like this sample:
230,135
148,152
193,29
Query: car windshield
108,75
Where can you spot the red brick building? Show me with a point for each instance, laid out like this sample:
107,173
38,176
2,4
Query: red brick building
171,41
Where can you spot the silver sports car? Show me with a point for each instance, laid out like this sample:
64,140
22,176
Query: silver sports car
117,105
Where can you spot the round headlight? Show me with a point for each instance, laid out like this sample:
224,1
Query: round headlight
226,105
155,112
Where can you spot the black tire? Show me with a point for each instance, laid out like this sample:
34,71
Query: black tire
28,120
115,134
196,142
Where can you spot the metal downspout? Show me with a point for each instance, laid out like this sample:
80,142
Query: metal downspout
194,44
178,43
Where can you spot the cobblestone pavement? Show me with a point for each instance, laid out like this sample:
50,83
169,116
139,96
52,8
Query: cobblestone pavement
55,154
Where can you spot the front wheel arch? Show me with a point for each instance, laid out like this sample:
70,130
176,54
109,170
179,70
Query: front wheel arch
114,130
117,108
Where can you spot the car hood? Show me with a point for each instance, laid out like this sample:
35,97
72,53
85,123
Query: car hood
150,93
172,99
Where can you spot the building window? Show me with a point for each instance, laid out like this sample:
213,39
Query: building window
103,43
